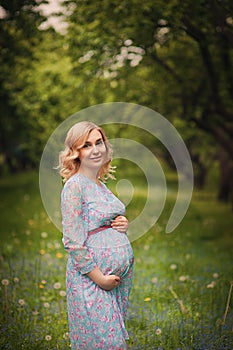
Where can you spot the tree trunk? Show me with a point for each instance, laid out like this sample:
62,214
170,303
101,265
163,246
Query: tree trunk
226,177
200,176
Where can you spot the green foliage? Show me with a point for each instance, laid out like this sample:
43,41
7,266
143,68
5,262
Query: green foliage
19,36
175,58
181,280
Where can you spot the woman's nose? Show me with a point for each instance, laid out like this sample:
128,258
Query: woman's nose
95,149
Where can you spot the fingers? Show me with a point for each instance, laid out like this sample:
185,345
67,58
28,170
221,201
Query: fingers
112,281
120,219
120,223
117,281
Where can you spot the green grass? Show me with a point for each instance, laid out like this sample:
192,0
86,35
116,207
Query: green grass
181,283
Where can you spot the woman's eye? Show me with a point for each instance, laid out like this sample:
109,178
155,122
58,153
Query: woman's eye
100,142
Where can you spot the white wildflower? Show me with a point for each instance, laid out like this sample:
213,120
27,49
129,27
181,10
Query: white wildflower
35,313
48,337
182,278
211,284
5,282
66,336
62,293
154,280
173,266
21,302
57,285
57,245
44,234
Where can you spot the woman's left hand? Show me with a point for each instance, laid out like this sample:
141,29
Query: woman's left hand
120,223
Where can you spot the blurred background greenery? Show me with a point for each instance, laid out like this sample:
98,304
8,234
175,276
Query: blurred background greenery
173,57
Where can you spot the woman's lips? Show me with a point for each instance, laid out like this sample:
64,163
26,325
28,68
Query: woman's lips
96,158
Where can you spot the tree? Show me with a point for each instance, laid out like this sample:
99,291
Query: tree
19,34
190,42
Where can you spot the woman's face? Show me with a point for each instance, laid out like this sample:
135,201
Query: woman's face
93,153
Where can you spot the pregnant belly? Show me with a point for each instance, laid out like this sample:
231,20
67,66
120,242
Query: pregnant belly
107,238
113,261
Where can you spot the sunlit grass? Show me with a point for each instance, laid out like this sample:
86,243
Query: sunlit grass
181,283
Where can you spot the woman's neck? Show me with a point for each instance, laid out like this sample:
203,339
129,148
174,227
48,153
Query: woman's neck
93,176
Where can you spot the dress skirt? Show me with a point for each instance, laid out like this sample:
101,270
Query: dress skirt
96,317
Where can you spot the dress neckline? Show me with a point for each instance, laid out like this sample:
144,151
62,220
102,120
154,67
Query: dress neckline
101,185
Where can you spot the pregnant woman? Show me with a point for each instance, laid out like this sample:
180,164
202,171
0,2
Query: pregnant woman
100,262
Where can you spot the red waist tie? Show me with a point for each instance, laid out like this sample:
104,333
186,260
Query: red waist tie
98,229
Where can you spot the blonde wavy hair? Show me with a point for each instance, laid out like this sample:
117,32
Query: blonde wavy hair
69,158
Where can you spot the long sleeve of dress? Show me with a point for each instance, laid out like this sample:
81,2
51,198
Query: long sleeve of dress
74,225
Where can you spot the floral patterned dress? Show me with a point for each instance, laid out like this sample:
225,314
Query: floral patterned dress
96,317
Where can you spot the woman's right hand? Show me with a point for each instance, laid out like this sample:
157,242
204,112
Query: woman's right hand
108,282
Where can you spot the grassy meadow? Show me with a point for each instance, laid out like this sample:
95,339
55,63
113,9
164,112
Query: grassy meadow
182,291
